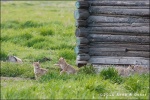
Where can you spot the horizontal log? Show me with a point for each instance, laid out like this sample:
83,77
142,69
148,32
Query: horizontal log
129,47
125,54
119,60
82,4
81,40
81,49
81,14
119,3
108,19
113,11
81,32
127,29
117,24
121,7
118,38
83,57
81,63
81,23
95,49
84,32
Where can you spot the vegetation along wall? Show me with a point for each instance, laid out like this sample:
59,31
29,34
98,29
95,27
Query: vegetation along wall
112,32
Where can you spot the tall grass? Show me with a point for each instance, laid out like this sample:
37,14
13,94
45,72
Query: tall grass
34,30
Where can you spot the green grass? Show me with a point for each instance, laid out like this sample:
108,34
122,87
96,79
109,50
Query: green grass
34,30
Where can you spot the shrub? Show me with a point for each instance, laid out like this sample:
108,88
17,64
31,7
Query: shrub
111,74
66,53
46,32
87,70
3,55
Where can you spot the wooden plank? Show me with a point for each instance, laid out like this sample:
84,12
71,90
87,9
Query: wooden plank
113,11
81,40
119,3
116,54
127,29
118,38
120,7
84,32
81,32
81,23
81,49
81,14
83,57
81,63
117,24
119,60
82,4
110,19
129,46
95,49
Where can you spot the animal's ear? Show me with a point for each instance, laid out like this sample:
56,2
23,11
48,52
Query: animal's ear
132,66
61,58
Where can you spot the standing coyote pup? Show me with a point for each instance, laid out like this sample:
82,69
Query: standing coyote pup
65,67
38,71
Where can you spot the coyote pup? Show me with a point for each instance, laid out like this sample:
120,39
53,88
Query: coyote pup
65,67
38,71
125,71
139,69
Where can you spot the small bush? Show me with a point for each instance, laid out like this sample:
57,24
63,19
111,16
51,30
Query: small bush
67,53
87,70
35,40
46,32
41,45
3,55
111,74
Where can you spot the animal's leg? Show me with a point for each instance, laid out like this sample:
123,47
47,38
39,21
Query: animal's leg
62,72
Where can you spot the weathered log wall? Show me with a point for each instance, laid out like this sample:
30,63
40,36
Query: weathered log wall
112,32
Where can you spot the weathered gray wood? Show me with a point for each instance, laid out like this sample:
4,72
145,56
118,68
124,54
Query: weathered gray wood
118,24
84,32
81,23
110,19
95,49
81,49
113,11
83,57
127,29
82,4
118,38
81,14
81,63
82,40
121,7
119,60
125,54
81,32
129,46
119,3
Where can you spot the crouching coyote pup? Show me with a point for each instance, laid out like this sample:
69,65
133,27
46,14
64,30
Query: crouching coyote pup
65,66
122,71
139,69
38,71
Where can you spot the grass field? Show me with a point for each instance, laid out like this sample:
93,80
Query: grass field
33,30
